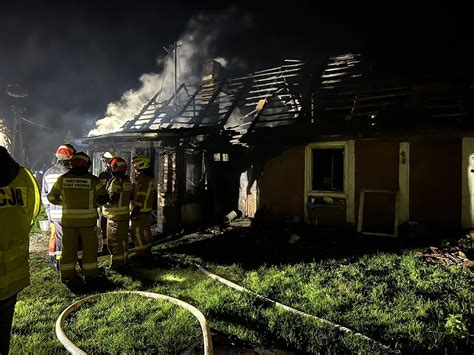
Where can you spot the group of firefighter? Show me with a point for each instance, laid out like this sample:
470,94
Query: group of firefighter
73,196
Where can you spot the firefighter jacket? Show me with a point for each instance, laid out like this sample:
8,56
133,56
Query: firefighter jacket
80,195
105,176
143,193
19,205
119,189
54,212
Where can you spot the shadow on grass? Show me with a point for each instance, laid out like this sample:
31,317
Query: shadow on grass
270,245
100,285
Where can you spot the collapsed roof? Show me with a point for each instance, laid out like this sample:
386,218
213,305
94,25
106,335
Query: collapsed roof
266,98
352,95
347,97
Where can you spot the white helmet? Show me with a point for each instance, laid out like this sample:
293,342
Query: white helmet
107,155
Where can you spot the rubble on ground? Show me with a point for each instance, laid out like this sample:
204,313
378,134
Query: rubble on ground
449,256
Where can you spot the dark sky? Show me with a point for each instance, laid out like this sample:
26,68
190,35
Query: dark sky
74,57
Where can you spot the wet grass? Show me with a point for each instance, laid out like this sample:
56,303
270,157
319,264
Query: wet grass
131,323
395,298
40,217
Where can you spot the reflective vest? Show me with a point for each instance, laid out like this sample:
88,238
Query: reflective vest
120,210
19,205
143,193
54,212
77,194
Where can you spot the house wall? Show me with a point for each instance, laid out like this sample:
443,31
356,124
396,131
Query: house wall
435,181
281,186
376,167
435,175
467,171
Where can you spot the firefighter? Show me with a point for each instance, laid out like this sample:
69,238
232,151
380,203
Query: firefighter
19,205
117,212
61,165
141,204
105,177
79,193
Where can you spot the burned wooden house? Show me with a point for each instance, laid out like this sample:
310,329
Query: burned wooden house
197,140
340,146
375,153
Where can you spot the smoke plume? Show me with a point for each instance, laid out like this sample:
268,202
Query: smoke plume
196,45
5,140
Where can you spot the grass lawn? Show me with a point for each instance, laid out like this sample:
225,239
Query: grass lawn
42,216
392,297
395,298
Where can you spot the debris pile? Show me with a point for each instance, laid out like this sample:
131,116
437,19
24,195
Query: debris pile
449,256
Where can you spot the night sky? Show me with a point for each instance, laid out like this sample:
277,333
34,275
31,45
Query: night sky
75,57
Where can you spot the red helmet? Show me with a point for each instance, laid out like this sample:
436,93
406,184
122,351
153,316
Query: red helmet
81,161
118,165
65,152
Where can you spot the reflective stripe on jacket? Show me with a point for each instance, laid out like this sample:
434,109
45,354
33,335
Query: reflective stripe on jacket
120,210
50,177
143,193
19,205
78,196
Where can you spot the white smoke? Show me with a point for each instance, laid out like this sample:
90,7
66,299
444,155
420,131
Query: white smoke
195,46
5,140
129,105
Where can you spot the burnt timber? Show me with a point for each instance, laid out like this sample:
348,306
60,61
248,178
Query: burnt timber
225,126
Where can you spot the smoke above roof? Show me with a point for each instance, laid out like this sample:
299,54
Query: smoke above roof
196,45
5,140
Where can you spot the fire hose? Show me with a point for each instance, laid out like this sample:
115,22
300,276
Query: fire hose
208,349
295,311
73,349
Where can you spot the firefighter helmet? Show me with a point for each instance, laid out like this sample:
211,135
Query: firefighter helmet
65,152
118,165
107,156
141,162
81,161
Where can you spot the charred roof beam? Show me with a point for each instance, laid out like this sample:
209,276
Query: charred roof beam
184,108
197,120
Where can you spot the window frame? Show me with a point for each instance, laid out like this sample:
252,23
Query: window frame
348,192
339,149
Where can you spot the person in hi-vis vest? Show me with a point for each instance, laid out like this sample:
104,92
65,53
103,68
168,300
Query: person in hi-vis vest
142,201
104,177
19,205
80,194
117,212
61,165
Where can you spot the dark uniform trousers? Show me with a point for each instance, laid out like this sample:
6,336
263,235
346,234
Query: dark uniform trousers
7,308
71,237
141,231
117,232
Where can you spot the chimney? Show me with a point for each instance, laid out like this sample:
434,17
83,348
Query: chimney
211,72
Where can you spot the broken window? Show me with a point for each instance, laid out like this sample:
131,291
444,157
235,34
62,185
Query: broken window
328,169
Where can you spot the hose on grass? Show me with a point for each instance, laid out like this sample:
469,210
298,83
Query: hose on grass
73,349
295,311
